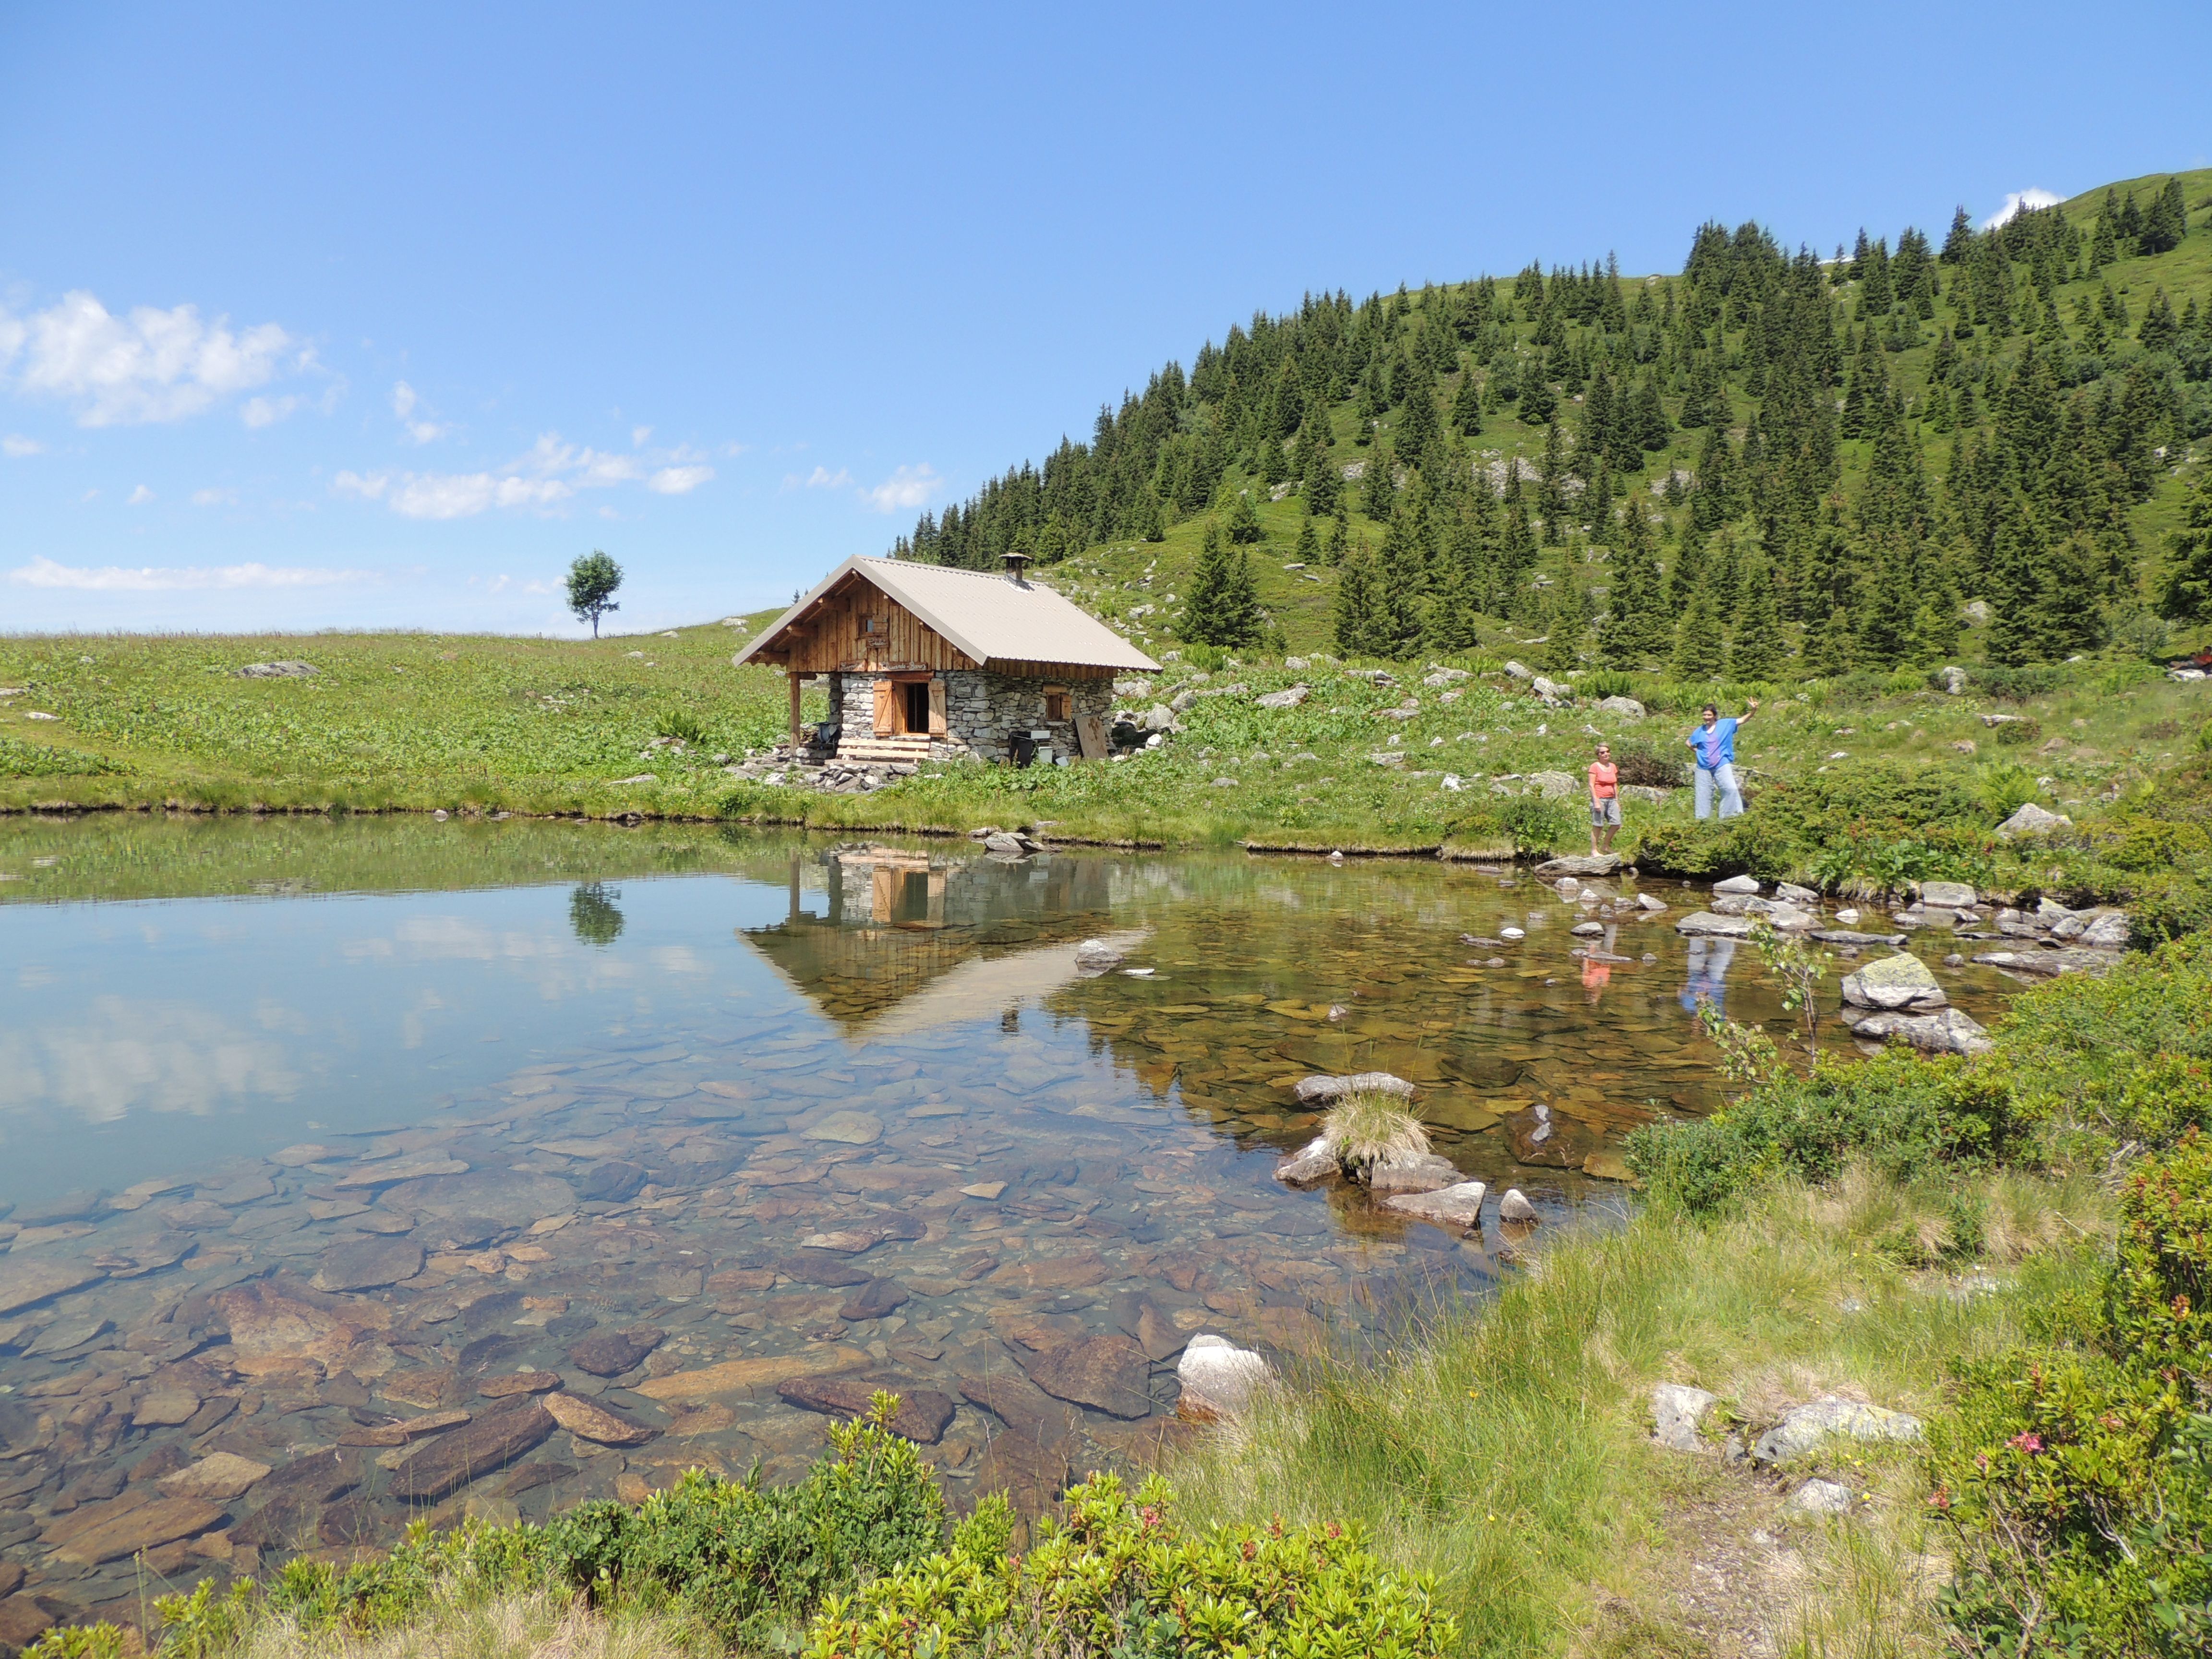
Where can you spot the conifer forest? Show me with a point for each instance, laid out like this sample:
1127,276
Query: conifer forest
1782,459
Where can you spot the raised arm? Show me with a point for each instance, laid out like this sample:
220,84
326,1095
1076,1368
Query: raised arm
1750,708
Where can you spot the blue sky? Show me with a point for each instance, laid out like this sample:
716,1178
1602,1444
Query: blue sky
340,315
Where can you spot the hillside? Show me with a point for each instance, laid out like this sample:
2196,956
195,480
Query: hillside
1835,457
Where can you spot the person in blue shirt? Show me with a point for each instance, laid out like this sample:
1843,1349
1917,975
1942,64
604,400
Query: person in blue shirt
1713,745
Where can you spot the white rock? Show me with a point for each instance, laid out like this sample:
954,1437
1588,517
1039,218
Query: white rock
1847,915
2033,820
1820,1497
1096,956
1677,1412
1553,786
1645,901
1217,1377
1512,932
2108,932
1310,1166
1795,894
1626,707
1803,1428
1737,884
1947,895
1515,1207
1319,1090
1518,671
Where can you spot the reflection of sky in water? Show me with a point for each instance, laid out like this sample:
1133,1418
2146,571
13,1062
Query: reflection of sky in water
137,1039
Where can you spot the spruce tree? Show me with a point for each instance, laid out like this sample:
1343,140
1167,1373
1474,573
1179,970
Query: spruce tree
1757,650
2186,595
1340,536
1552,488
1886,630
1539,402
1418,423
1829,649
1632,607
1359,600
1223,605
1960,242
1323,484
1309,547
1458,593
1378,484
2167,222
1466,405
1700,647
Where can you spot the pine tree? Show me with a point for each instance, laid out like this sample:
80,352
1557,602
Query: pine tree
1886,630
2160,331
1286,402
1323,484
2187,594
1223,604
1757,650
1625,638
1340,536
1700,647
2105,246
1711,503
1244,526
1960,242
1359,601
1378,484
1466,406
1309,547
1418,423
1689,572
1829,649
2167,222
1459,593
1539,402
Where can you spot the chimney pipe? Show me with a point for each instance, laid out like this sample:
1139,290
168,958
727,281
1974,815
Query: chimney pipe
1015,564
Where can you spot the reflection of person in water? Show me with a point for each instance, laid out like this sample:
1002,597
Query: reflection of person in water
1708,976
1597,968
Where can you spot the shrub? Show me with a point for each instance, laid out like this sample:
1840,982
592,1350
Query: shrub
682,725
1642,763
1537,825
2013,734
1896,1111
2161,1307
1750,845
1120,1579
2015,685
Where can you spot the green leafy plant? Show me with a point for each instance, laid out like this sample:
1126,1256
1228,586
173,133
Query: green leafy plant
680,724
1120,1578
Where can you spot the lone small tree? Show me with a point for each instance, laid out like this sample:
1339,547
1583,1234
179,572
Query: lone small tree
592,583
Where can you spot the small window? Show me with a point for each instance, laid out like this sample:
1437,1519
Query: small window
872,625
1055,703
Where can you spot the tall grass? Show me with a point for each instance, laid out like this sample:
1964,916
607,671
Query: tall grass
1507,1450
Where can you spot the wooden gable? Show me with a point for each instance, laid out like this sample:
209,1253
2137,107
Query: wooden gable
858,627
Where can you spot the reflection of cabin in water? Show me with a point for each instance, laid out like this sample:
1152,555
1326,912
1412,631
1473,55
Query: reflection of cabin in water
922,659
911,941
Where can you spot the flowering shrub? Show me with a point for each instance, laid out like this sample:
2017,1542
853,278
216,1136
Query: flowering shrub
1120,1578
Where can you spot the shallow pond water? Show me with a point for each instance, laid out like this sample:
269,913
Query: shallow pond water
385,1167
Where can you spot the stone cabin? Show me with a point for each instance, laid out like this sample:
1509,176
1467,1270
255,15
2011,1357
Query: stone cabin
925,661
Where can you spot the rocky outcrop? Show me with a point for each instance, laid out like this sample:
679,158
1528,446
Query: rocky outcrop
1948,1031
1459,1205
2033,820
1677,1416
1894,983
1325,1090
1804,1428
1217,1377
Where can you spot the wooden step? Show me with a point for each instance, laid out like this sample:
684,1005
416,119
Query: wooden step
908,747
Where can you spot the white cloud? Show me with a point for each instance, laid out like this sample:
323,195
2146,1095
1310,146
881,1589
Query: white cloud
15,447
150,365
822,478
403,400
907,488
2019,201
258,412
638,434
548,474
138,497
214,497
116,579
678,480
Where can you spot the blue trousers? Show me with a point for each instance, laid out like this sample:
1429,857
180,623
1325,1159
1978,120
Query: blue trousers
1731,798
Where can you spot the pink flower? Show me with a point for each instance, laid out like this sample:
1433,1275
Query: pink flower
2029,1442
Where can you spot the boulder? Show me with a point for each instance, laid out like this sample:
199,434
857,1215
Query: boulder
1649,905
1310,1166
1627,708
1553,786
1108,1373
1459,1205
1954,681
847,1129
1677,1413
1890,983
113,1531
289,669
2033,820
451,1461
27,1281
1790,918
612,1354
2108,932
1518,671
1947,1031
1515,1207
1737,884
1289,698
1803,1428
366,1262
878,1298
614,1181
1705,924
1588,930
1792,893
923,1415
1949,895
1581,864
1324,1091
1820,1497
1217,1377
595,1423
2050,963
1096,956
220,1476
1424,1173
1852,936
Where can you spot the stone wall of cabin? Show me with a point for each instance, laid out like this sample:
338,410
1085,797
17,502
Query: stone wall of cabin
983,710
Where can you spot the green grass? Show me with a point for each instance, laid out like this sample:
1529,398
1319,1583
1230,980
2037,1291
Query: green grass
468,723
1507,1451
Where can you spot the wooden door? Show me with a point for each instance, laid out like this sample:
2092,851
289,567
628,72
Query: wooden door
1091,736
938,727
886,710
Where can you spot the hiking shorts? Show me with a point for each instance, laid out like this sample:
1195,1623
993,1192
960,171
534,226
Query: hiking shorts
1606,812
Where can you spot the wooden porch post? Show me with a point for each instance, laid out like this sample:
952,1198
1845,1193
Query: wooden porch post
792,674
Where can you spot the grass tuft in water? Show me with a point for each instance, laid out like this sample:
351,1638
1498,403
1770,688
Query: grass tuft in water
1366,1128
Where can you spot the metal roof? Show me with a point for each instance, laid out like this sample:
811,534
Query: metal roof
985,615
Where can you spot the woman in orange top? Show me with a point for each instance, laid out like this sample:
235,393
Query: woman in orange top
1604,801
